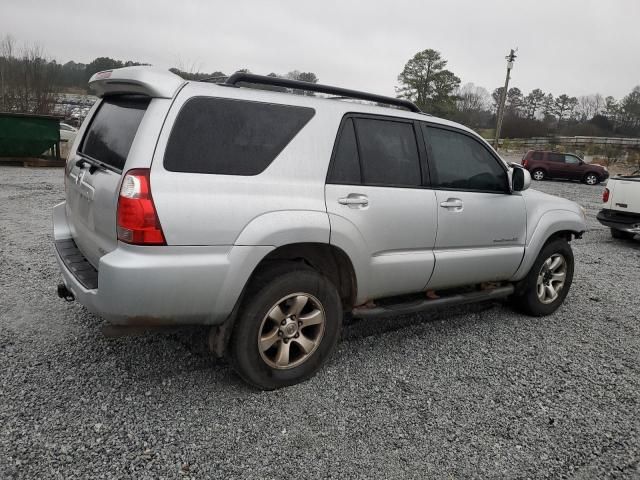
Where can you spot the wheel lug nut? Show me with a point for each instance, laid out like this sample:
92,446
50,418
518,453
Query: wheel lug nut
299,324
286,340
279,333
283,322
297,335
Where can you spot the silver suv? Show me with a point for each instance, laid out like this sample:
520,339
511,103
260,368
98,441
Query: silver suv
268,215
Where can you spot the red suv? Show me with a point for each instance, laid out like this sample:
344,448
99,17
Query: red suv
543,164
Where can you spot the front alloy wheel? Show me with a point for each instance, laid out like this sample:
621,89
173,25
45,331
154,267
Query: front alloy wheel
551,278
547,284
591,179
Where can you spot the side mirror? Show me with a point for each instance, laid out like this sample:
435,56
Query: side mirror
520,178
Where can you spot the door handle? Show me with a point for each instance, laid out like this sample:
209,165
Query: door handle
354,200
454,204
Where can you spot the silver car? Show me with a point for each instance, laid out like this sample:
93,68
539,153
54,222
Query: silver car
268,215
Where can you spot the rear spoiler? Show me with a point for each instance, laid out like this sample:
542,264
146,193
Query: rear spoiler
142,80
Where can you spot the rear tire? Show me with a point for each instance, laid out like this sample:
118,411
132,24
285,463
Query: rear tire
538,174
547,284
622,234
287,328
591,179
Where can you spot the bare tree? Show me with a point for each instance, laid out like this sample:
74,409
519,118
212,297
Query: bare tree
470,98
27,78
589,106
7,47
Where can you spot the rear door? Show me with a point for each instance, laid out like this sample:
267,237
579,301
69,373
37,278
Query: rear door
94,171
481,226
555,162
381,211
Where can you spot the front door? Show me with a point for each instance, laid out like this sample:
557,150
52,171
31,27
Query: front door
481,226
573,167
381,215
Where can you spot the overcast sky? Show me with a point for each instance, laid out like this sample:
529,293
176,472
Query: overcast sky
576,47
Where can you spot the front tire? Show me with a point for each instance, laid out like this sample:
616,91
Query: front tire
288,328
547,284
538,174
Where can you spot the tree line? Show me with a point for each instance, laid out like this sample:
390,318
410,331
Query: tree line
436,90
29,82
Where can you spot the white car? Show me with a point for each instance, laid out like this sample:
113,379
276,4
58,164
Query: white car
67,133
621,210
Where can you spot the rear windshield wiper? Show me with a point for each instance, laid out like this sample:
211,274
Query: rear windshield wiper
95,164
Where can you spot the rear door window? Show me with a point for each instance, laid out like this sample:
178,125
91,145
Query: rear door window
555,157
346,163
388,153
231,137
113,129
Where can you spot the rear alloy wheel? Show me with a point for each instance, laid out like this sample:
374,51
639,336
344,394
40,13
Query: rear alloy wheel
538,175
591,179
291,331
288,327
547,284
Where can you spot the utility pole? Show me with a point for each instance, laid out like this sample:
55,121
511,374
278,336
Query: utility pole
503,98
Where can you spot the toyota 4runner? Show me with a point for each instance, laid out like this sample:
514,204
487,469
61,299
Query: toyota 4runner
268,215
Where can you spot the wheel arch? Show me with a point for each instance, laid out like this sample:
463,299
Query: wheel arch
328,260
565,224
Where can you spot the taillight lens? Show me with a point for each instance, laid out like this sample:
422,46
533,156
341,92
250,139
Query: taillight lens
138,221
605,195
525,163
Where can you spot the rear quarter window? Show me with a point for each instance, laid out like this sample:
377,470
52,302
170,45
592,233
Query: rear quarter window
113,128
231,137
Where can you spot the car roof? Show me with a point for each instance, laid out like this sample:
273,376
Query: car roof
339,105
160,83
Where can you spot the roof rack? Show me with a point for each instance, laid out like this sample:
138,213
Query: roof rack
218,79
242,77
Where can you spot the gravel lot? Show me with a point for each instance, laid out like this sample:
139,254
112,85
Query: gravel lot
475,391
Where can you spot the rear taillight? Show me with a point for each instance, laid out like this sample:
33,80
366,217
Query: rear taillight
137,218
525,162
605,195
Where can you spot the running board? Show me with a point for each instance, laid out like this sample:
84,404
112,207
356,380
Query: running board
429,304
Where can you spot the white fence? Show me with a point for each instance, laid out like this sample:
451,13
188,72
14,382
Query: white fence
575,141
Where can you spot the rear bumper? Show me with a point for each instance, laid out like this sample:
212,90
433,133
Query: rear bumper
626,222
161,285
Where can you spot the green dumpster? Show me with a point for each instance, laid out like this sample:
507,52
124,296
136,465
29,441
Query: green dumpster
26,135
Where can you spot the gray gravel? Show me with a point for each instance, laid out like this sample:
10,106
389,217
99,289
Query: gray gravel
478,391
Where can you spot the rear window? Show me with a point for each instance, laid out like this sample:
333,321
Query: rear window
231,137
113,128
